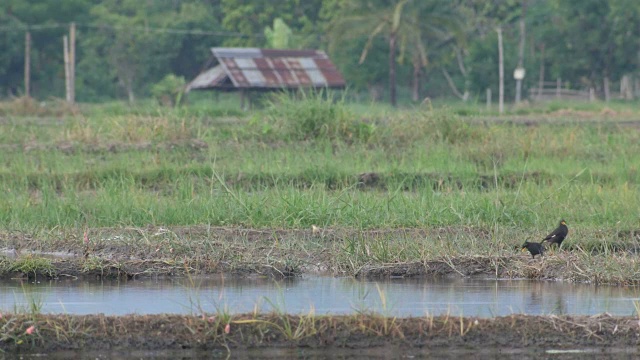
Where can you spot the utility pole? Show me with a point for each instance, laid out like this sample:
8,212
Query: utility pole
27,65
67,71
519,72
392,70
500,72
72,61
69,48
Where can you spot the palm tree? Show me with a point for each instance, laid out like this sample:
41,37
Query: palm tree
388,20
373,21
406,25
428,28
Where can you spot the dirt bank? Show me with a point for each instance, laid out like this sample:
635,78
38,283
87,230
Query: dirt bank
44,333
160,251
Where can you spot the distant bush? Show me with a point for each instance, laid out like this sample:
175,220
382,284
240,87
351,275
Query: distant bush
169,90
427,125
309,115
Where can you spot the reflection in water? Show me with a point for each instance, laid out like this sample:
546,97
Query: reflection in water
323,295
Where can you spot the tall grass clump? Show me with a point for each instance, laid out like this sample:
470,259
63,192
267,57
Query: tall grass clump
450,128
314,115
435,126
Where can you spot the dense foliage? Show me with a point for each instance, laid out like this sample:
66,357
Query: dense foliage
430,48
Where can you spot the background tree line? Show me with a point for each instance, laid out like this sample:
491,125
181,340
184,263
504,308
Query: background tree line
429,48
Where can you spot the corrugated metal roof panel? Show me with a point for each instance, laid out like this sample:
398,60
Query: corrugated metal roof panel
303,77
236,52
273,53
254,77
243,63
316,76
209,78
307,63
277,68
324,64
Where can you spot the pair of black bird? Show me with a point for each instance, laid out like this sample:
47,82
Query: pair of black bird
556,237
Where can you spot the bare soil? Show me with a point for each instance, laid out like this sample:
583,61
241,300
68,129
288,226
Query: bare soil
364,331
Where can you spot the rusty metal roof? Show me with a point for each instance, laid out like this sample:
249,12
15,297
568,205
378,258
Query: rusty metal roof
254,68
209,78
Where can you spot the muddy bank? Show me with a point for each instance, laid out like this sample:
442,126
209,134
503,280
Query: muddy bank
153,251
24,333
378,253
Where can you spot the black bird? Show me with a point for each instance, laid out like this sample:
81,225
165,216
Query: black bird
534,248
558,235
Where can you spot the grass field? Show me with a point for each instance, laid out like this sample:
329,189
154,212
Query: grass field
305,161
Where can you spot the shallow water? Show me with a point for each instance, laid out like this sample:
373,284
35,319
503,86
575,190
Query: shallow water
323,295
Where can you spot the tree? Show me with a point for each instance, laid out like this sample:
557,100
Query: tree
382,20
11,56
522,26
411,29
587,43
483,55
430,27
137,44
278,37
47,20
540,13
589,47
625,16
250,17
194,47
343,46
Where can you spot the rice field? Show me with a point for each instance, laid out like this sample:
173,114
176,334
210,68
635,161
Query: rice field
463,181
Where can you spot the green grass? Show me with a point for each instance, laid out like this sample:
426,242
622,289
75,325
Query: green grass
126,203
431,168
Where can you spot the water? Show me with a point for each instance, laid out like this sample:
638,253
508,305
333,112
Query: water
325,295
